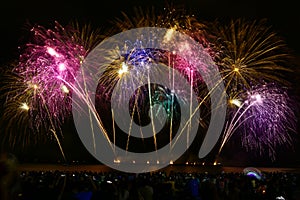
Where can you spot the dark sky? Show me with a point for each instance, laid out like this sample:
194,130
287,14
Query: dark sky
284,16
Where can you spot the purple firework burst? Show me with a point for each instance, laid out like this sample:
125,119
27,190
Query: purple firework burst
268,119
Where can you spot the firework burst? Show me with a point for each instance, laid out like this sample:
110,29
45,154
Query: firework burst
132,57
174,19
50,58
39,87
15,110
264,119
84,35
128,69
249,52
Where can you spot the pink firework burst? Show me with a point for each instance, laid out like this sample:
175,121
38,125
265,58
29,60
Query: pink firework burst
48,66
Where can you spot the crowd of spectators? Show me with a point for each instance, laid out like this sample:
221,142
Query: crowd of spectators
88,185
159,185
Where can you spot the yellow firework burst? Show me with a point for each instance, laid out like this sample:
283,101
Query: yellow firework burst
17,105
249,52
26,119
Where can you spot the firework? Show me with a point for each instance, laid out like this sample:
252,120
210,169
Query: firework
127,68
171,17
253,60
39,87
85,35
26,119
248,53
15,110
265,119
50,58
126,75
44,76
130,66
174,19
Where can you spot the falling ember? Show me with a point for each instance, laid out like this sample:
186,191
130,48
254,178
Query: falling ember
62,67
257,98
35,86
24,106
65,89
123,70
169,35
236,69
236,102
52,52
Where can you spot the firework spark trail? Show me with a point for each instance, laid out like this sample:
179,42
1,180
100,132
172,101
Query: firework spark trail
151,112
176,19
84,96
234,123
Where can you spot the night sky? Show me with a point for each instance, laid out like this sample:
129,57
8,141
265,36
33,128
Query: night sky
15,17
283,15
